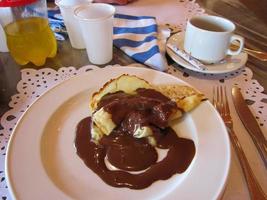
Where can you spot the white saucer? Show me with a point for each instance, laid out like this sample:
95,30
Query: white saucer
230,63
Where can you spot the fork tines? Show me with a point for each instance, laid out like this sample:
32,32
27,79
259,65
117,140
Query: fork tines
220,100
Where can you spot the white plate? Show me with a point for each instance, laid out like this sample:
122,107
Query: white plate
42,162
230,63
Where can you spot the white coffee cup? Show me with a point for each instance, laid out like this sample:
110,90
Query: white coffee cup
67,8
96,23
208,38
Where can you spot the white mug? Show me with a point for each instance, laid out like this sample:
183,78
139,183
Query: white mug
208,38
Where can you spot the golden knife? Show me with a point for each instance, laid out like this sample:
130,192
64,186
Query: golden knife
250,123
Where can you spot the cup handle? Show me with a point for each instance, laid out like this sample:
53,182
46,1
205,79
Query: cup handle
241,45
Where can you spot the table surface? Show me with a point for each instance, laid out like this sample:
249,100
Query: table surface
250,16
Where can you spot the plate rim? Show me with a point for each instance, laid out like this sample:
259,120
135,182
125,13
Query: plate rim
188,66
126,68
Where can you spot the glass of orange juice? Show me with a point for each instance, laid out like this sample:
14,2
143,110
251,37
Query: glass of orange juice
29,37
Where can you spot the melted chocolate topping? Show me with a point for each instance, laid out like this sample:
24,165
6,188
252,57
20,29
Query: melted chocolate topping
147,108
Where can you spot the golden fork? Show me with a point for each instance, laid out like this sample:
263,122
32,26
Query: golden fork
220,102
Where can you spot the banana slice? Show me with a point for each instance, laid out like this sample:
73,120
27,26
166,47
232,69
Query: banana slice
145,132
103,121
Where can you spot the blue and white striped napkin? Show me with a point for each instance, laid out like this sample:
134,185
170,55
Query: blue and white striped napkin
137,37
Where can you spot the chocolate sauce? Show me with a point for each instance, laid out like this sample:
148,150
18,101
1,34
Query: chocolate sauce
124,151
147,108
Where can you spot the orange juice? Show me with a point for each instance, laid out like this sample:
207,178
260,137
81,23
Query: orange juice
30,40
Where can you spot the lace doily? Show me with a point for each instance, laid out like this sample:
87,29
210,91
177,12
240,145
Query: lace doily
35,82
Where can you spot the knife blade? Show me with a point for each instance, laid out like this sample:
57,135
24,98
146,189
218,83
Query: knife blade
250,123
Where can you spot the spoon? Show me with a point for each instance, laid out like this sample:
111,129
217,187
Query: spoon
257,54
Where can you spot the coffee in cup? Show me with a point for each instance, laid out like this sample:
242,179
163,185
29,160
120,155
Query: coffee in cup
208,38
